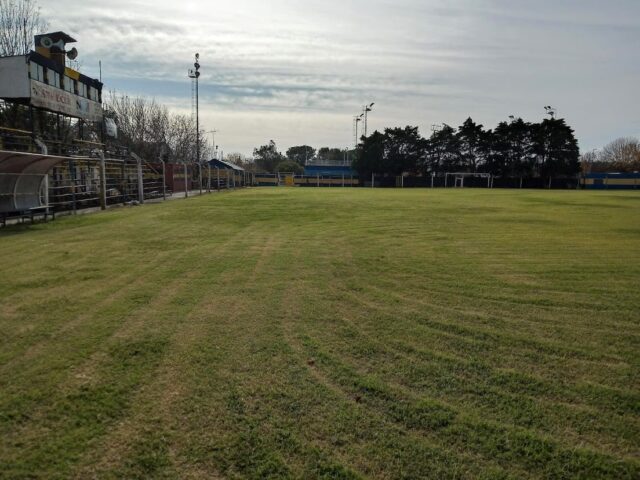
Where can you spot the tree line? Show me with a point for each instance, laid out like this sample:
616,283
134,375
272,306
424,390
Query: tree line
621,155
267,158
513,149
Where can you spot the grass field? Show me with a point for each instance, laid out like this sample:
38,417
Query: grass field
326,333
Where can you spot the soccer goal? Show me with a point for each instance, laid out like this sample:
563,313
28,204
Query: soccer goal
459,177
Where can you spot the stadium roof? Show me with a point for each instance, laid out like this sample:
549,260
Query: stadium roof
225,165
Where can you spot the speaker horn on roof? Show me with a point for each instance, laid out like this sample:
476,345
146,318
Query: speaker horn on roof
72,54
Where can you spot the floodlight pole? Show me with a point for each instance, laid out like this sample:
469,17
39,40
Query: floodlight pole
213,140
366,109
196,64
356,120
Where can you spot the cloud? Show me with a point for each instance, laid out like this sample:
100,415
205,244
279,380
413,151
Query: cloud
422,62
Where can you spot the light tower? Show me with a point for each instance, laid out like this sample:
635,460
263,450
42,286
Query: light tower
194,74
213,139
552,112
366,109
357,119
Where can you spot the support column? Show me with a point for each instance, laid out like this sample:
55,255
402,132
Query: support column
103,183
45,181
200,176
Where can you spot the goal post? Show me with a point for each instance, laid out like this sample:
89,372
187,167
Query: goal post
459,177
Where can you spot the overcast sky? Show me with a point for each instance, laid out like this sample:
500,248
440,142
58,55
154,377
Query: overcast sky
298,71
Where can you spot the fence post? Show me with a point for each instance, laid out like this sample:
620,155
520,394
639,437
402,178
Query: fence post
208,178
218,177
200,176
549,187
164,181
103,183
186,188
373,180
433,175
72,172
140,181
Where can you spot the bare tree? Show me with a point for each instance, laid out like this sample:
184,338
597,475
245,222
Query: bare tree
149,129
241,160
623,154
19,21
588,160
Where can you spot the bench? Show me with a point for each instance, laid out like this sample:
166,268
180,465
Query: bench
31,214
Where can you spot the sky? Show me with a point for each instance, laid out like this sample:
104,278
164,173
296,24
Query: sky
297,72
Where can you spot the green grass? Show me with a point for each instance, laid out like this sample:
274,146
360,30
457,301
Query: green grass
326,333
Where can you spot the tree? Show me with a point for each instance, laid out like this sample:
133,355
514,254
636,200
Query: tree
622,155
301,154
393,152
150,130
288,166
511,149
474,145
443,152
403,150
331,154
241,160
267,157
555,147
589,161
369,157
19,21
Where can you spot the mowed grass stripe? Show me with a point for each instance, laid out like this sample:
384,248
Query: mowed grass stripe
326,333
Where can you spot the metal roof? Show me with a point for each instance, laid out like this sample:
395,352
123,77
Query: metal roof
21,177
225,165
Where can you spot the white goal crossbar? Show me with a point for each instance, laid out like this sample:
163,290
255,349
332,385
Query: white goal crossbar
460,176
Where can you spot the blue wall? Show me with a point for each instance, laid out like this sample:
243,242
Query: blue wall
611,181
329,170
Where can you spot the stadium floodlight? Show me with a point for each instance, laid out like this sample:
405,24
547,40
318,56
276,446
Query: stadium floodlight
552,112
365,110
213,138
356,120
